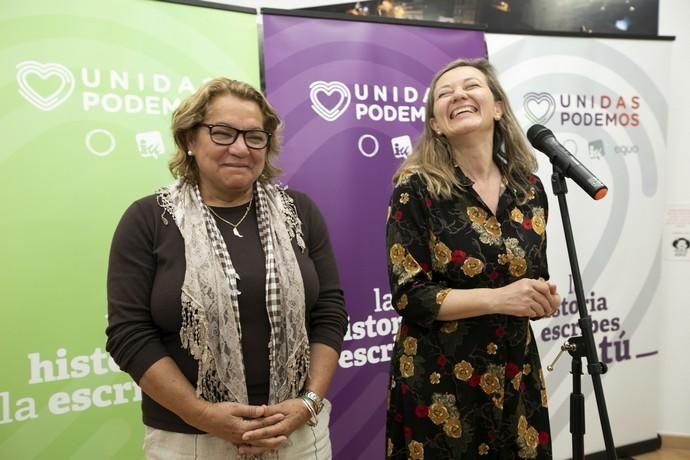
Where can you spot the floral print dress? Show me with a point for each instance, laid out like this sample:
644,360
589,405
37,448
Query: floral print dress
471,388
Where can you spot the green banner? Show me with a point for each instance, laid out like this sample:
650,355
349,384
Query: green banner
87,91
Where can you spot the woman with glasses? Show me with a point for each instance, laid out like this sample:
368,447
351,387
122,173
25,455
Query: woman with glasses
224,302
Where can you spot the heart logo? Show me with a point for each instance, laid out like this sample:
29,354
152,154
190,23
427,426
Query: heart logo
322,93
52,75
539,107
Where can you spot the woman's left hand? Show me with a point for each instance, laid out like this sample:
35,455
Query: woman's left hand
296,415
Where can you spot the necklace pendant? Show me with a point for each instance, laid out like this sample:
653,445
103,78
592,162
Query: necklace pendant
236,233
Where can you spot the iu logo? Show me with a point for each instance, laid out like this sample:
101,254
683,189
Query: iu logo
402,146
539,107
596,149
329,99
45,86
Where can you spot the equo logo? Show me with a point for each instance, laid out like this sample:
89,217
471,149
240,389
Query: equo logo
626,149
332,109
539,107
46,102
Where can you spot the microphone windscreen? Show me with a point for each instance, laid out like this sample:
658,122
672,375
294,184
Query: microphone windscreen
536,132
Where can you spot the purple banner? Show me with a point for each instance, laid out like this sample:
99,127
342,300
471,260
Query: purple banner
351,95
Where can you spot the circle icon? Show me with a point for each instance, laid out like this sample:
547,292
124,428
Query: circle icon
372,147
100,142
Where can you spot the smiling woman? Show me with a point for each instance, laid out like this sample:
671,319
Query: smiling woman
224,302
467,267
227,165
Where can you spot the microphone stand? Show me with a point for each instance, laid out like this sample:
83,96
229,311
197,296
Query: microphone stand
578,347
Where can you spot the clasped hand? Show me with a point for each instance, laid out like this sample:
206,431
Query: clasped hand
532,298
254,429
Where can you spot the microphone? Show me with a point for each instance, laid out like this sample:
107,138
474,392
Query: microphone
543,140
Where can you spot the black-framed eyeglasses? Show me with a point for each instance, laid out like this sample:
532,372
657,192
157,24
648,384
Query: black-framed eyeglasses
227,135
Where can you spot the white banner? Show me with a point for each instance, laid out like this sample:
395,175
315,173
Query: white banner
604,101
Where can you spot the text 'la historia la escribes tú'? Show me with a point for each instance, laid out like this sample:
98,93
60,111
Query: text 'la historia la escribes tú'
63,367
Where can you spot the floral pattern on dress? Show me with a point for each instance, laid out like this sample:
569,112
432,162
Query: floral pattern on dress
469,388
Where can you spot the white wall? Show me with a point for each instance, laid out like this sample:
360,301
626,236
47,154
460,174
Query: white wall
674,378
673,381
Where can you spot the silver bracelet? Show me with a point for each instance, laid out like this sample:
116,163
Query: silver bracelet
312,413
316,400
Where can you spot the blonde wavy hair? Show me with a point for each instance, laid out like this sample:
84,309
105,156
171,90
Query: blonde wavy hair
192,111
432,156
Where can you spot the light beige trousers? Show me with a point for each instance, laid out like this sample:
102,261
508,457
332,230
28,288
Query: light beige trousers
305,443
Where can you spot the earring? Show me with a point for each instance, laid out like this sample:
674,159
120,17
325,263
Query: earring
497,118
189,153
438,133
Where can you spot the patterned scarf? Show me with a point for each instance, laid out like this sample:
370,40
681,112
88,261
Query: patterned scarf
210,307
